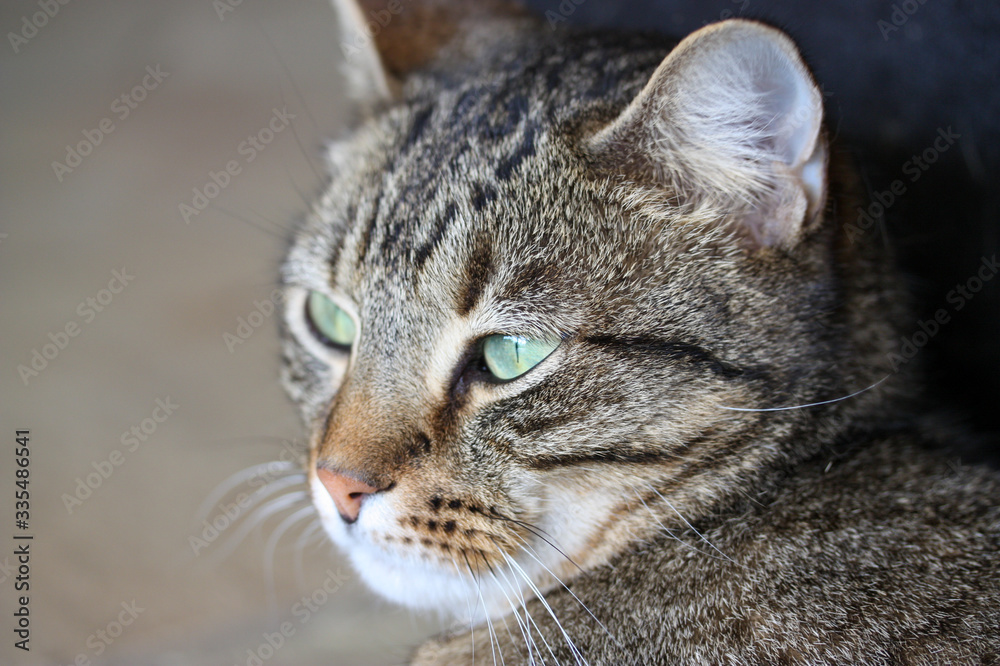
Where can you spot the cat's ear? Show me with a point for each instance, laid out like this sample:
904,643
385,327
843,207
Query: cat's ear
731,119
383,41
369,84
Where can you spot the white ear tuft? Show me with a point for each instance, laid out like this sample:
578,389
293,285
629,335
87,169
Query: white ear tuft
730,117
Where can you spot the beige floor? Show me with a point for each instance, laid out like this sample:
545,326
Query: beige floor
161,336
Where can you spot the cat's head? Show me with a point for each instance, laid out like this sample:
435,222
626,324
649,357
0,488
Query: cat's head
547,266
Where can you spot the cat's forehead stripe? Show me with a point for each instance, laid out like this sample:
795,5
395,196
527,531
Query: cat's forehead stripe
478,270
441,224
369,227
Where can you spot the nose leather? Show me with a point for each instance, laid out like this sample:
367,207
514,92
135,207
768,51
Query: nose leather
346,491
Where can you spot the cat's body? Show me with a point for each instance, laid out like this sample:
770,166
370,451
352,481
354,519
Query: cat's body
668,235
887,556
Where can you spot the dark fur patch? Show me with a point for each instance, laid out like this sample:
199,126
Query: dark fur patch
441,225
478,271
505,170
418,126
482,195
366,235
668,350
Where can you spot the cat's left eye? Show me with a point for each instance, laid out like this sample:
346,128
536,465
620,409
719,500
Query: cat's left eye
329,322
510,356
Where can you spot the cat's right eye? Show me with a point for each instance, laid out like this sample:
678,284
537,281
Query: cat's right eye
329,322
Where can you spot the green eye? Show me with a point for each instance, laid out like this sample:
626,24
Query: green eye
330,321
510,356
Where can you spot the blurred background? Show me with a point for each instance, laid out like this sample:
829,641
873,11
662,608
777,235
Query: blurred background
140,349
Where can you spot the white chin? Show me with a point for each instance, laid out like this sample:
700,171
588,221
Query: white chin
417,584
411,581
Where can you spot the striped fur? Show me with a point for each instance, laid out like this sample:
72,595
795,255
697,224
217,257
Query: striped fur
519,183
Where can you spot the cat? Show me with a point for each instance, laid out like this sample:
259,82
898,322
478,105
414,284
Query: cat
589,362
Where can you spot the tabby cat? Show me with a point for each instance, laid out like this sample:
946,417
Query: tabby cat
590,363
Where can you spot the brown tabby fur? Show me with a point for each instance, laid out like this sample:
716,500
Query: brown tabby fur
525,181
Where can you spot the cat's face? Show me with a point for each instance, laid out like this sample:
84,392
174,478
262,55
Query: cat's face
507,350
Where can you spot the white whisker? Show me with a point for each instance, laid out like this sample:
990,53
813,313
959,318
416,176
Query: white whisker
525,631
273,487
528,550
528,618
577,655
494,642
472,609
235,479
700,536
811,404
270,549
670,533
316,527
264,512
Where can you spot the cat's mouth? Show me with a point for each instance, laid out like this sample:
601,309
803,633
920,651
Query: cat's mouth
446,553
443,531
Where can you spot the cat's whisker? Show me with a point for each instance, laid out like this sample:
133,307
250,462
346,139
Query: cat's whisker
471,609
479,589
526,630
246,220
225,486
811,404
302,195
276,485
271,547
314,528
538,532
468,564
489,567
298,93
513,611
578,656
494,641
527,614
273,223
272,487
255,520
690,526
667,530
529,551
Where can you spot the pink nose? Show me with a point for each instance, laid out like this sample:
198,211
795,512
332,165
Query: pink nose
347,492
